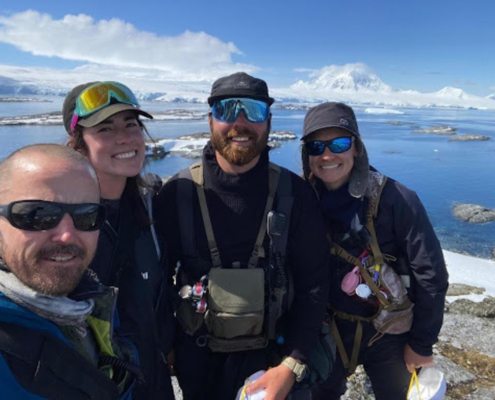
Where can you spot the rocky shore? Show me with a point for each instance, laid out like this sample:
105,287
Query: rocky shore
473,213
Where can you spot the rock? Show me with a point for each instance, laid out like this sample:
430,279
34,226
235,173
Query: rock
358,386
484,309
51,119
294,107
195,136
468,332
481,394
191,151
466,138
155,151
454,374
171,115
401,123
474,213
493,253
282,135
392,152
437,130
274,144
460,289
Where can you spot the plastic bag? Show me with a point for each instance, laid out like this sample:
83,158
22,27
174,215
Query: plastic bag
429,384
259,395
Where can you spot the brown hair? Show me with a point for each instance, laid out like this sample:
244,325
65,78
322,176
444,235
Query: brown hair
133,185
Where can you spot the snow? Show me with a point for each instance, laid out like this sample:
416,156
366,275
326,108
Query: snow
472,271
355,84
383,111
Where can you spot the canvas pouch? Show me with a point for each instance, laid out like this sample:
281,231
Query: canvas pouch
398,318
236,304
188,318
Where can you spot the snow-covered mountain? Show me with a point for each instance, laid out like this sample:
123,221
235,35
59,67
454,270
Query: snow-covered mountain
351,83
348,78
491,96
452,92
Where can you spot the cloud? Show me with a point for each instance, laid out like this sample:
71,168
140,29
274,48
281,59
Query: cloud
189,56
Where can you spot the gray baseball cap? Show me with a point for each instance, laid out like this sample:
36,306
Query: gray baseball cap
340,115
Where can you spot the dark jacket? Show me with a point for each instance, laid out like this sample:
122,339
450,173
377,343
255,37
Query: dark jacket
41,360
128,257
236,205
404,231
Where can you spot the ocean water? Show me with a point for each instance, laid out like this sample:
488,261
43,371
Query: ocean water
442,173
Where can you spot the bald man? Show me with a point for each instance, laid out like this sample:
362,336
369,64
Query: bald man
55,317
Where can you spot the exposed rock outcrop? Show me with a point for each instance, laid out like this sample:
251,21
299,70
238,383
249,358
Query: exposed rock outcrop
467,138
473,213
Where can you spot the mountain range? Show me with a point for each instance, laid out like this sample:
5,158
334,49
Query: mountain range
351,83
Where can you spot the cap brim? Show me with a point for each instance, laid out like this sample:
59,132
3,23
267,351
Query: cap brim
306,135
107,112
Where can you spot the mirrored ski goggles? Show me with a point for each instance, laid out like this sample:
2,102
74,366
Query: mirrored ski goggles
338,145
100,95
39,215
228,110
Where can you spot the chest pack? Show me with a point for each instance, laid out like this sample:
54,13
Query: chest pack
231,300
394,313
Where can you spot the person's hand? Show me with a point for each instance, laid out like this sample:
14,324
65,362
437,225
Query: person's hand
276,381
413,360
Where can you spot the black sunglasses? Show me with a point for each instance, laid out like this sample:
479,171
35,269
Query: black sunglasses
39,215
338,145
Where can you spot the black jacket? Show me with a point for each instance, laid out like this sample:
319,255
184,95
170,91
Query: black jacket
236,204
404,231
127,258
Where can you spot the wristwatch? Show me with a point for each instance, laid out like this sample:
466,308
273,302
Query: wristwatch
299,369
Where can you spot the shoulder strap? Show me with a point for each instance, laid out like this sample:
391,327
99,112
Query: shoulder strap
285,199
196,173
185,190
259,251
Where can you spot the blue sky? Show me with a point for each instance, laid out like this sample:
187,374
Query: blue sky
421,45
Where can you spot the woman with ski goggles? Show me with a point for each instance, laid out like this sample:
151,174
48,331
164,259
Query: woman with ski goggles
370,219
103,121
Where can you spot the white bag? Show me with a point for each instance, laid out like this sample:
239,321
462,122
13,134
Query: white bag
431,384
259,395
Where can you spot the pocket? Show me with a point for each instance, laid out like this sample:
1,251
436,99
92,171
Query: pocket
394,322
228,326
236,302
188,318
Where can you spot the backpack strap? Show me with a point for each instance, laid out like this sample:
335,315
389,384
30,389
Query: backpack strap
259,251
184,210
283,289
196,174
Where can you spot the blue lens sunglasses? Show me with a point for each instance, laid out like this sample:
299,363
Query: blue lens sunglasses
336,146
228,110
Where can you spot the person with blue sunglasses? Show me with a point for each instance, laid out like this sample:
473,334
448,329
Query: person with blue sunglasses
103,123
228,211
374,224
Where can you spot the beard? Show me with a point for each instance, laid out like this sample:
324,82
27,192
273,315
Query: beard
55,280
237,155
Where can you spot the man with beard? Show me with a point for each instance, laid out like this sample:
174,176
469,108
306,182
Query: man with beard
55,317
247,303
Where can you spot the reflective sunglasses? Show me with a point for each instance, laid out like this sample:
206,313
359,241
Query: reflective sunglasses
39,215
338,145
228,110
100,95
